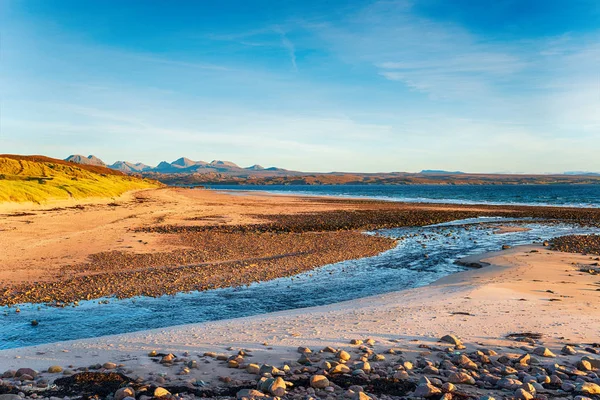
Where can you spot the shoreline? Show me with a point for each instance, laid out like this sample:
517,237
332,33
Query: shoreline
479,306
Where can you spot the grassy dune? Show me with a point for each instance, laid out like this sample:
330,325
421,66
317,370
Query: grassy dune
39,179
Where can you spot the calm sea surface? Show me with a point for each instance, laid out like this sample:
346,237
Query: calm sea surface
547,195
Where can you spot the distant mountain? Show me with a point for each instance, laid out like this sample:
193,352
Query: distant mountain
185,162
440,171
183,165
130,168
582,173
89,160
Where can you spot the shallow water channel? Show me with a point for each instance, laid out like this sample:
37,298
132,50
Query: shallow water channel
403,267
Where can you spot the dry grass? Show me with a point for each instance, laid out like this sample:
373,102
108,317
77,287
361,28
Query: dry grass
23,180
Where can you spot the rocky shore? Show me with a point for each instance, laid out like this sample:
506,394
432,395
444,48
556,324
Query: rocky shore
363,369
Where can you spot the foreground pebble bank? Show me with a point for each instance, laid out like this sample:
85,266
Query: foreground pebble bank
525,327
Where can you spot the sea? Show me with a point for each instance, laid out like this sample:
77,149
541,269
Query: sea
537,195
403,267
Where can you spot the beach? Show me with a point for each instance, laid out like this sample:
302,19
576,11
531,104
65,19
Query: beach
523,290
545,298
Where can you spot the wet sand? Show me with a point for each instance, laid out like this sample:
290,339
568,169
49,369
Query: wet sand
169,240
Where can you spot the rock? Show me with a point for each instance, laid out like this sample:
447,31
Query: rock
568,350
277,387
319,382
543,352
584,365
153,353
343,355
461,377
448,387
124,392
269,369
109,365
364,365
249,394
588,388
304,360
253,369
593,361
522,394
505,247
509,383
378,357
356,342
55,369
10,397
9,373
340,369
161,392
452,339
427,390
401,375
26,371
303,350
370,342
360,396
328,349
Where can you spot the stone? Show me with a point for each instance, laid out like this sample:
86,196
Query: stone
124,392
161,392
233,364
109,365
588,388
277,387
268,369
427,390
365,366
448,387
26,371
356,342
461,377
303,350
452,339
340,369
509,383
319,382
10,397
343,355
55,369
522,394
401,375
304,359
253,369
249,394
584,365
543,352
568,350
360,396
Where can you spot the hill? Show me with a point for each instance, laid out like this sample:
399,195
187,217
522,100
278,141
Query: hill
39,179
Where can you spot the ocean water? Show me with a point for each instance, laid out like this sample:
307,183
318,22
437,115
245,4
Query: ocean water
400,268
540,195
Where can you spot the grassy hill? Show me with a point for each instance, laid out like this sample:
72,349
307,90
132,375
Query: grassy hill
39,179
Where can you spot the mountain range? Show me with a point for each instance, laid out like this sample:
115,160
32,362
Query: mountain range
182,165
187,172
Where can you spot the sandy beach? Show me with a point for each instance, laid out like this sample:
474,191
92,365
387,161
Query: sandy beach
546,299
527,289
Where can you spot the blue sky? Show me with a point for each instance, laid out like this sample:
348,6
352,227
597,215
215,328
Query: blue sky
473,85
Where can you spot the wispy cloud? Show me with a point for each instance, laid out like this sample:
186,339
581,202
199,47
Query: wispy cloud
289,46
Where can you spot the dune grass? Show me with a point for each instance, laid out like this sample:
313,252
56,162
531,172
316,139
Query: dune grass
23,180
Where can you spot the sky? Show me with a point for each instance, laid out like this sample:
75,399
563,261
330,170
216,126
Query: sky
369,86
